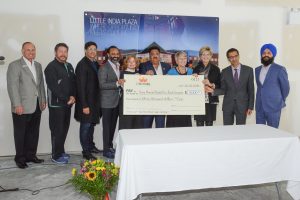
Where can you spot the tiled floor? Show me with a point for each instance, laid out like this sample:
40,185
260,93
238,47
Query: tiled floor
50,175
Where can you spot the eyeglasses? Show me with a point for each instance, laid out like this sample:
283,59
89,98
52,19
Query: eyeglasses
233,57
92,49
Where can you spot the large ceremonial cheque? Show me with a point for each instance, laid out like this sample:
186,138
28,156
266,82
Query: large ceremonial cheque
163,95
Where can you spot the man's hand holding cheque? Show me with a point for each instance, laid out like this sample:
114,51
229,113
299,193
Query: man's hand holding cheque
208,87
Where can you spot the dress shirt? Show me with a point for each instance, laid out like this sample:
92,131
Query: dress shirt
263,73
31,67
238,70
158,70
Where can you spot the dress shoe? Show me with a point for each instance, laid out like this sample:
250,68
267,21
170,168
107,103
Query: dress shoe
21,165
109,154
112,150
88,156
95,150
35,160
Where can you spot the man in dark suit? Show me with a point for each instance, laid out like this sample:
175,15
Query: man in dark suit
25,86
109,83
272,88
154,67
237,86
87,108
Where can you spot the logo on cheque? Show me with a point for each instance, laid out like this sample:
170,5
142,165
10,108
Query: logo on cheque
143,81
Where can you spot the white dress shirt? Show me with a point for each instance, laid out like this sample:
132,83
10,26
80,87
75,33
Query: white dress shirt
31,67
158,70
115,68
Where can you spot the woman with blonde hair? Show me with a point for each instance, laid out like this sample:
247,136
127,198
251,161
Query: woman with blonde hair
212,73
129,121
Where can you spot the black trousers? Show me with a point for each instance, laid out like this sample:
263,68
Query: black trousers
59,123
26,134
109,122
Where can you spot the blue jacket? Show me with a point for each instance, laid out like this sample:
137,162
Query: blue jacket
173,71
144,67
271,96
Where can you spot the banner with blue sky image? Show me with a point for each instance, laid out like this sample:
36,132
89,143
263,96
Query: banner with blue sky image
135,33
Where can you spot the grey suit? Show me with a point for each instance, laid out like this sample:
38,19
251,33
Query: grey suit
109,96
24,91
237,99
22,88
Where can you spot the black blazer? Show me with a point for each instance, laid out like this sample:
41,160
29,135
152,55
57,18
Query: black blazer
61,84
88,92
214,76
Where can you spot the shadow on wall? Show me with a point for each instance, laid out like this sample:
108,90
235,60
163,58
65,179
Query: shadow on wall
16,29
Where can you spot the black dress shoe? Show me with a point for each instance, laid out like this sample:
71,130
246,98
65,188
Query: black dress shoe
89,156
35,160
21,165
112,150
95,150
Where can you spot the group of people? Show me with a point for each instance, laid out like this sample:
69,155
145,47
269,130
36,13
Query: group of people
237,86
97,91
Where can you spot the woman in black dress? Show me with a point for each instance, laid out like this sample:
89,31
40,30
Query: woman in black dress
212,73
129,121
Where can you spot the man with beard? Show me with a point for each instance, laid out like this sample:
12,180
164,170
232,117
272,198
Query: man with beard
87,108
61,89
109,83
154,67
272,88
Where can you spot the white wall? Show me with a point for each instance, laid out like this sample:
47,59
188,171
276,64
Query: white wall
243,25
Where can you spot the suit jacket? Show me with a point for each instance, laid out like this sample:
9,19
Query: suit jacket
144,67
271,95
214,76
109,91
88,91
243,94
22,88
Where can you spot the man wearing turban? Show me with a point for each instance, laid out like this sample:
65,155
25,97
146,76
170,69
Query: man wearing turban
272,88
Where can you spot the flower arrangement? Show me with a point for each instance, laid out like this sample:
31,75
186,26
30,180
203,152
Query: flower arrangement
97,178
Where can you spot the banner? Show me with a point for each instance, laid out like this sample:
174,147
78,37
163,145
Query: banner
134,34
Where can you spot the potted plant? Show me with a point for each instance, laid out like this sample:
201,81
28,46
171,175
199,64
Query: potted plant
96,178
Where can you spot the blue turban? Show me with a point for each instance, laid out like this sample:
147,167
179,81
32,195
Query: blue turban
271,47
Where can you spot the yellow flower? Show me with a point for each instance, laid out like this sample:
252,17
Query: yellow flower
94,162
74,171
91,176
100,168
115,171
86,163
100,161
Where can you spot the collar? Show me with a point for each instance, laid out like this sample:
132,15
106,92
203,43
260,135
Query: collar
266,67
27,61
113,64
238,67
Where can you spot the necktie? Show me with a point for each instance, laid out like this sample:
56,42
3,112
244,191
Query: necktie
236,77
